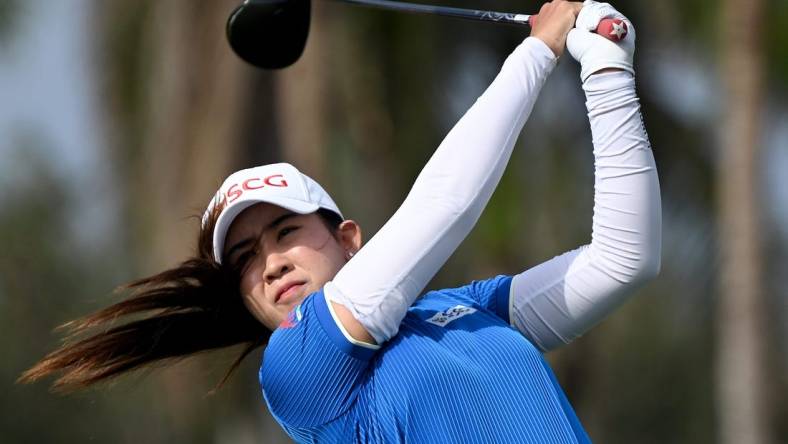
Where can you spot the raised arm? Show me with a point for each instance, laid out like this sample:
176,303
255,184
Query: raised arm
557,301
372,293
313,365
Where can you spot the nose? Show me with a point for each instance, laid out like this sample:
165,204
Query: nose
276,266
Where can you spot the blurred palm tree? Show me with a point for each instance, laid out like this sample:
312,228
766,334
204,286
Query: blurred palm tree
743,414
180,105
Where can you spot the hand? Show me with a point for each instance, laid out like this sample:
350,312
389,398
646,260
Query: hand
553,23
594,52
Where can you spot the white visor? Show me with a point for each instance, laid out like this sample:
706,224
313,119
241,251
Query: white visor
280,184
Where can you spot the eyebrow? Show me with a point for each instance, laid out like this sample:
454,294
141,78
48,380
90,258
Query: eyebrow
249,240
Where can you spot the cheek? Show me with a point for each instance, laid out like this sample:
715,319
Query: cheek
322,255
315,239
252,279
252,288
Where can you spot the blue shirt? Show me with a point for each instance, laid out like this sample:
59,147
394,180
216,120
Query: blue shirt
455,372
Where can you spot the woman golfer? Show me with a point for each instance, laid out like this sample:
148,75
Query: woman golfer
352,354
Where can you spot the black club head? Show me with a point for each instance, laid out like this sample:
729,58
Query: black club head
269,34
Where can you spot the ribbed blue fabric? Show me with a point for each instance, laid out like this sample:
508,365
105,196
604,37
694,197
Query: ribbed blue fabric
455,373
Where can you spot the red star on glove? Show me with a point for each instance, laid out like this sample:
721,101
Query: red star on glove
618,29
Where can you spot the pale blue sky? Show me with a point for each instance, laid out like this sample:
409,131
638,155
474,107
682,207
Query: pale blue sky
48,90
46,83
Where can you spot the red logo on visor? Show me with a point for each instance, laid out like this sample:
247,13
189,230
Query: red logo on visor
237,190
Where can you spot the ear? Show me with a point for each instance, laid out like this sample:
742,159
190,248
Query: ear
350,236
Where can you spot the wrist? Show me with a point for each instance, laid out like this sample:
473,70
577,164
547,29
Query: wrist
601,89
555,47
604,70
538,47
589,68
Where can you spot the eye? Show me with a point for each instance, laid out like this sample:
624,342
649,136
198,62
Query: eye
285,231
243,259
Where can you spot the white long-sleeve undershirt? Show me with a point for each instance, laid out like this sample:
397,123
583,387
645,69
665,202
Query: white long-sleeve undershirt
386,276
558,300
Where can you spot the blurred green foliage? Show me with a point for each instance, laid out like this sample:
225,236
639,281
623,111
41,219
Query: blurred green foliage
42,275
8,13
643,376
775,38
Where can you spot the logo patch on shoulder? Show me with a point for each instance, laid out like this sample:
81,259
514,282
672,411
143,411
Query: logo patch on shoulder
444,317
293,318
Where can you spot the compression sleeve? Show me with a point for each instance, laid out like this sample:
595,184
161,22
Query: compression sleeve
381,282
557,301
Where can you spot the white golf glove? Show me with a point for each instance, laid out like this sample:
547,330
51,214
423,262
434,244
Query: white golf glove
595,52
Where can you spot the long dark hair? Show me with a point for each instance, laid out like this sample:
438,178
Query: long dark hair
192,308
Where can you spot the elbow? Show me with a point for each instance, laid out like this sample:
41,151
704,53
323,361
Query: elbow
647,266
648,269
651,261
629,269
639,272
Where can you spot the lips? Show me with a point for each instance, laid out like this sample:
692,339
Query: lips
288,291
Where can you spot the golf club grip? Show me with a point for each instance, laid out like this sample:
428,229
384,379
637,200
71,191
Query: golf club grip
611,29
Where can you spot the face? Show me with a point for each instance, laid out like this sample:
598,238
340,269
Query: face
284,256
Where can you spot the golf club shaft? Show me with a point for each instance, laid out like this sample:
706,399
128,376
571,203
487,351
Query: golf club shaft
271,34
470,14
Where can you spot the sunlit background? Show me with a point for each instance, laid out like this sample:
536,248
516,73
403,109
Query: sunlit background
118,119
